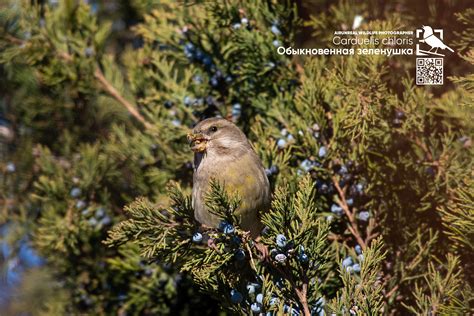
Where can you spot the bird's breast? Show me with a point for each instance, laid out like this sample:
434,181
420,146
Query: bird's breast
242,176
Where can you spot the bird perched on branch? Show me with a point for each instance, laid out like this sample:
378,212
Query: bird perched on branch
431,39
222,152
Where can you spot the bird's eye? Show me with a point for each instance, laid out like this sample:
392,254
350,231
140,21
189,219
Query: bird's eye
213,129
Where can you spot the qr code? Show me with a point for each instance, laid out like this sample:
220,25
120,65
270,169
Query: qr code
429,71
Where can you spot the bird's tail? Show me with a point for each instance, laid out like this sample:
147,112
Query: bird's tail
446,46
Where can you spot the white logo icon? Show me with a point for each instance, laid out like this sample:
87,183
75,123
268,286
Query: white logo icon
433,39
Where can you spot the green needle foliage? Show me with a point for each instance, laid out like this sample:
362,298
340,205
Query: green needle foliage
371,175
225,261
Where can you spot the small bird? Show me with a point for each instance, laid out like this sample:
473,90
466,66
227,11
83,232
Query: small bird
222,152
431,39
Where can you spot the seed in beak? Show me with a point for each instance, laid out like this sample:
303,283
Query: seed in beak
198,142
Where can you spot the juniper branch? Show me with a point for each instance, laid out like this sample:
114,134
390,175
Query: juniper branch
352,225
109,88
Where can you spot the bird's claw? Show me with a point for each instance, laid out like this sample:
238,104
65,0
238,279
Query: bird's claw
211,244
263,249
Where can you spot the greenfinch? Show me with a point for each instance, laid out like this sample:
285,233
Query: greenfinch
223,152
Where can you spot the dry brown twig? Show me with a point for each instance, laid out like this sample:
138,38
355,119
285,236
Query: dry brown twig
350,215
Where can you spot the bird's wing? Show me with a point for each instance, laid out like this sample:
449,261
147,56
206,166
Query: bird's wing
246,178
433,41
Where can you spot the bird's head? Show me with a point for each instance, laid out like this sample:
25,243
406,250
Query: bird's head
427,28
216,133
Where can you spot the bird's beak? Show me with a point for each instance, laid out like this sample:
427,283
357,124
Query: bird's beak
197,142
